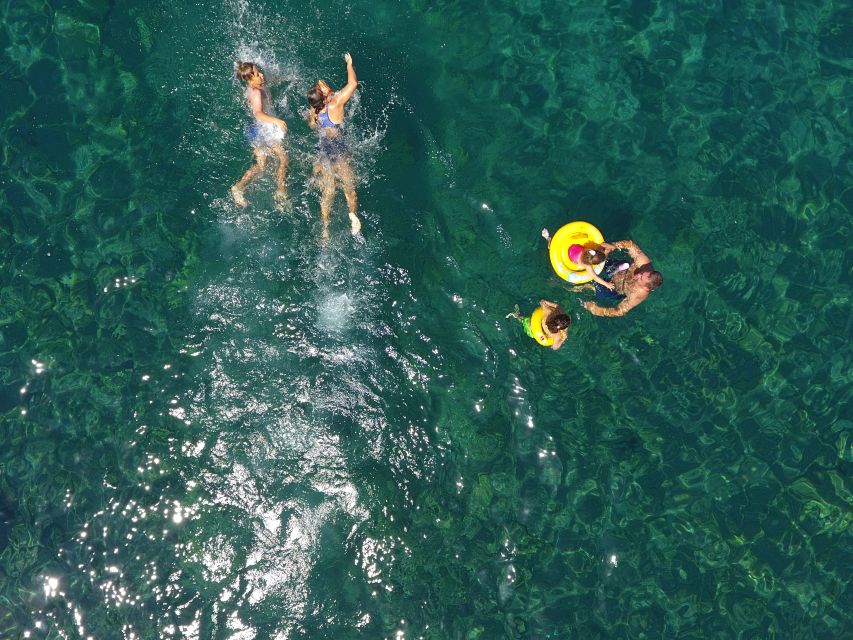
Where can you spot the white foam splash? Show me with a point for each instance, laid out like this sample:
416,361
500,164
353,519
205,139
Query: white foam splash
334,312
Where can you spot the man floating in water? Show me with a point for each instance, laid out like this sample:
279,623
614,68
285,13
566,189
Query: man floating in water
632,281
265,133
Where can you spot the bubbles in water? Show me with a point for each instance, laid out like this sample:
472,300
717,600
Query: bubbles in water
334,312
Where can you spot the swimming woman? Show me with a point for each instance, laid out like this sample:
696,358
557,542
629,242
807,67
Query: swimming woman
265,133
334,162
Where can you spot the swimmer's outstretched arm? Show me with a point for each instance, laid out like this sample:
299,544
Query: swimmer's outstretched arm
634,298
604,312
343,96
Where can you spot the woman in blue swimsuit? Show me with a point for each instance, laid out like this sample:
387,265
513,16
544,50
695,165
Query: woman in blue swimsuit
334,162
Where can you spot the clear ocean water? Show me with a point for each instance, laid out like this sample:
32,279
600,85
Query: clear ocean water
214,427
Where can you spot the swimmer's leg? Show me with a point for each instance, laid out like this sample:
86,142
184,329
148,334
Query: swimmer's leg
281,173
344,172
254,171
326,180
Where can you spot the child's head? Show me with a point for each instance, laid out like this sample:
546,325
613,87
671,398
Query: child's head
250,73
593,254
557,322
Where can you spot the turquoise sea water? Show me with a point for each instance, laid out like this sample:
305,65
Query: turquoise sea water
215,427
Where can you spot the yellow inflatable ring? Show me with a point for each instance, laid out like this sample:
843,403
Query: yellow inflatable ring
536,328
578,232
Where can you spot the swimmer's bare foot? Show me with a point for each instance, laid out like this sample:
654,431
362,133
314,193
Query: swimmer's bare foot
515,314
238,196
356,224
281,201
324,238
546,235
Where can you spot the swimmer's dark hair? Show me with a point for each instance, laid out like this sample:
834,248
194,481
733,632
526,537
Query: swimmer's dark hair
316,98
246,70
592,254
558,321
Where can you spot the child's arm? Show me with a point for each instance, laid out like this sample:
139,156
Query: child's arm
559,339
256,104
598,279
548,306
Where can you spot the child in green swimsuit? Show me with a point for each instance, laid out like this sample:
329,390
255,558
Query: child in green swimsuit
548,324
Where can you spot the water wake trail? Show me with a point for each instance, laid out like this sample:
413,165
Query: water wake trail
293,408
300,367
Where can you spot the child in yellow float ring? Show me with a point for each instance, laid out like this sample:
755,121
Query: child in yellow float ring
548,324
587,256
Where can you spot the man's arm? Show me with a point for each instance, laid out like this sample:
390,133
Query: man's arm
633,250
619,310
605,312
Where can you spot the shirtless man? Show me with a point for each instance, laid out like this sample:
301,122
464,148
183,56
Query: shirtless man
632,282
